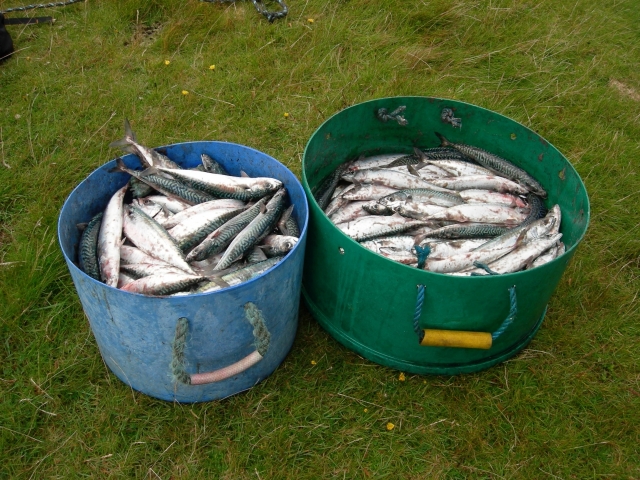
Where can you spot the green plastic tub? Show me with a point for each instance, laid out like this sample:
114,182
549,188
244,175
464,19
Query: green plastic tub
381,309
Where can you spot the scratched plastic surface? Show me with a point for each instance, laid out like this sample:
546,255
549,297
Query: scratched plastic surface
135,332
367,302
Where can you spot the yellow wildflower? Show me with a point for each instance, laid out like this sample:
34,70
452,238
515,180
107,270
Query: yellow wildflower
313,362
366,410
185,92
390,426
402,378
212,67
167,62
310,20
286,115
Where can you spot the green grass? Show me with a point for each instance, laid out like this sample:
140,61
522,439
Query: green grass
566,407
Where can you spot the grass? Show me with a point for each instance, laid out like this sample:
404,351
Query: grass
566,407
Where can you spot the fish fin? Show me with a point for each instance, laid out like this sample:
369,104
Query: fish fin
150,171
124,144
413,171
263,208
421,165
443,141
81,226
217,279
420,154
161,150
417,240
243,174
286,214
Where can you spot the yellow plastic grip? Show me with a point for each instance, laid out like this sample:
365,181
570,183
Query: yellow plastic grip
456,339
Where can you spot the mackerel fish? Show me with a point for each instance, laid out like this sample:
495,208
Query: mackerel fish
497,164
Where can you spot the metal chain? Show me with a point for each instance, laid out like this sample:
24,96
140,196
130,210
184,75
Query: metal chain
259,4
41,5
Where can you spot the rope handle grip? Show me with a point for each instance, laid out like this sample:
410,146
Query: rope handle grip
383,115
459,338
262,340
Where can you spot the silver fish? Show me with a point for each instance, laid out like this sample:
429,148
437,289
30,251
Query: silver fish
367,192
149,236
523,255
424,195
486,182
162,284
169,186
460,261
366,228
88,248
252,233
390,178
497,164
241,275
277,245
481,213
202,207
487,196
349,212
109,239
217,240
375,161
194,229
148,156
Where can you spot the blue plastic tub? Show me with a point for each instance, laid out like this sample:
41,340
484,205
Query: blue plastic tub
137,334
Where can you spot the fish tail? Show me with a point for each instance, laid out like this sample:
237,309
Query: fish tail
120,166
126,142
443,141
128,132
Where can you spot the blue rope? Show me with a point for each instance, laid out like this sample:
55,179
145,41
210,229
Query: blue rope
484,267
422,253
418,312
513,312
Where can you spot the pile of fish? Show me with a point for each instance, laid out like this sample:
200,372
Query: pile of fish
175,231
454,209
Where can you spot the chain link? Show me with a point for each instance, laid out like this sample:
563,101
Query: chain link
40,5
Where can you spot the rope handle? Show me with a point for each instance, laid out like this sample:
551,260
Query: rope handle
262,340
459,338
384,115
447,116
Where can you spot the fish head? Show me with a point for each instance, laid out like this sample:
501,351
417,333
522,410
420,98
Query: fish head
349,176
288,243
376,208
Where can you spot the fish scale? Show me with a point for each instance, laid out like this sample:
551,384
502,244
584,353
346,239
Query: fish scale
436,197
468,231
190,235
150,237
240,275
223,235
254,231
162,284
168,186
88,248
497,164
